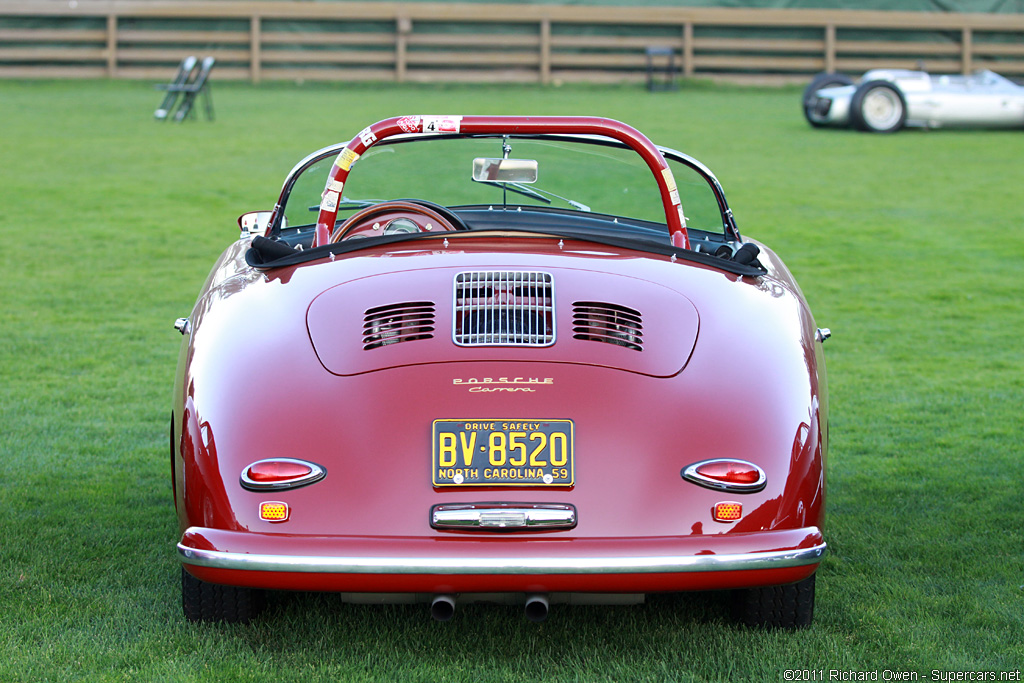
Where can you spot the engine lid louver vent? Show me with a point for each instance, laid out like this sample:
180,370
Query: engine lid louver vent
395,323
608,323
504,308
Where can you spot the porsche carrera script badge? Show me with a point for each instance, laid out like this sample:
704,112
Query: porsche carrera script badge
504,384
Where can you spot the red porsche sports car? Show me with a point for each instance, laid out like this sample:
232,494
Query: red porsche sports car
522,359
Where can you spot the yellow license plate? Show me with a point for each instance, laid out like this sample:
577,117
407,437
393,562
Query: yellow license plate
503,453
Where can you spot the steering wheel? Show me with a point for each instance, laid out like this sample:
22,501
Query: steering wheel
426,216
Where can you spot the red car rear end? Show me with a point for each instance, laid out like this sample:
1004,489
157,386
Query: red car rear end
508,399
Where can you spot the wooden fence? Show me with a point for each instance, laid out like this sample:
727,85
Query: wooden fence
435,42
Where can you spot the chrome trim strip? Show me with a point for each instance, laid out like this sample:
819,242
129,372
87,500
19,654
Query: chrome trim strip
778,559
502,516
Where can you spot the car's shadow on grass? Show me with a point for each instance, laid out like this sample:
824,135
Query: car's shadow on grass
699,607
492,631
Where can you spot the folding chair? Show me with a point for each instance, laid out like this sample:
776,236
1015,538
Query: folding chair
668,81
173,88
192,89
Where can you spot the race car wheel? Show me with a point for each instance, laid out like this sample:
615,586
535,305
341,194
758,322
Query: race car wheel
878,107
202,601
788,607
822,80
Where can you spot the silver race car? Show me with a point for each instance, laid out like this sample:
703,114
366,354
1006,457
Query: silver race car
885,100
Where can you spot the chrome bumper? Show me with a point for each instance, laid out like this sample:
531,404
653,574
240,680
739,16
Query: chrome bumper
506,564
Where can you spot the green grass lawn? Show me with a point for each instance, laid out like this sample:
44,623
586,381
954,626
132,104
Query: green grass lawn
910,247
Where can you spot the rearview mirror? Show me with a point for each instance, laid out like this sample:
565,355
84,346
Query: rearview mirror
505,170
254,222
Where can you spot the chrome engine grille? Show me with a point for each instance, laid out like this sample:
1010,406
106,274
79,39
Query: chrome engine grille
394,323
608,323
504,308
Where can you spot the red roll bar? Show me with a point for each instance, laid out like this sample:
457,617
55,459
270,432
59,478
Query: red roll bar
530,125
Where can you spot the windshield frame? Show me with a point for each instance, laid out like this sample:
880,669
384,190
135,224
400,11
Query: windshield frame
430,126
730,232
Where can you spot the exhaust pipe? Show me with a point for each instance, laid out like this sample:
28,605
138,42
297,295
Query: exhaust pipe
536,607
442,608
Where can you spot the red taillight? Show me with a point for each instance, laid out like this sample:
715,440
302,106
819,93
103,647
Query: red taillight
280,473
730,471
726,474
278,470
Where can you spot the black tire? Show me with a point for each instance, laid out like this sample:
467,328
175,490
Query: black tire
878,107
788,607
210,602
822,80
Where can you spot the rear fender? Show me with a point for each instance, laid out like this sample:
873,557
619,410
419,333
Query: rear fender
204,498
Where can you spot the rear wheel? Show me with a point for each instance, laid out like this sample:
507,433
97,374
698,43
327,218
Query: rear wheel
202,601
878,107
823,80
789,606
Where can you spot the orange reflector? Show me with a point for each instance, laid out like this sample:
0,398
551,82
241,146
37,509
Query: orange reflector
274,511
727,512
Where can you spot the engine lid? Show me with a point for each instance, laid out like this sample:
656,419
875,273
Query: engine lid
553,315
